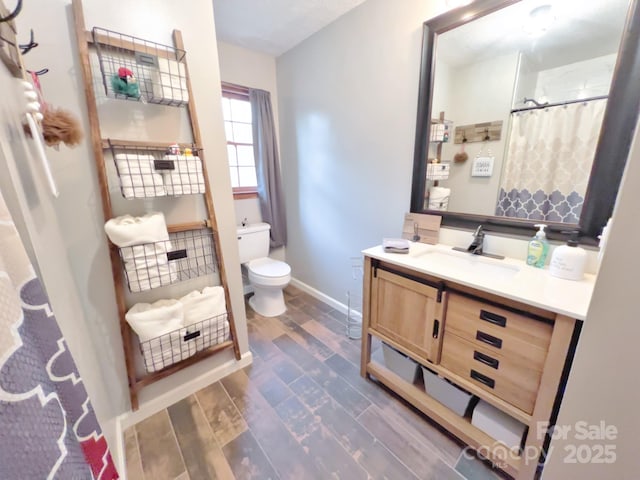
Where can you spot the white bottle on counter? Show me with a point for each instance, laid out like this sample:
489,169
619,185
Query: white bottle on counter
569,261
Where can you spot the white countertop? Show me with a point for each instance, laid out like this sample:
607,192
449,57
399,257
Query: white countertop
509,278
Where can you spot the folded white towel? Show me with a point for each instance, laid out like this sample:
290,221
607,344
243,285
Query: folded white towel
200,306
153,320
127,230
185,163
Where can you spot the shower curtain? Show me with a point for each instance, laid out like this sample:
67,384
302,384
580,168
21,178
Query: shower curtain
548,162
48,429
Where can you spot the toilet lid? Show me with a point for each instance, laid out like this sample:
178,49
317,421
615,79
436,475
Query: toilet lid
267,267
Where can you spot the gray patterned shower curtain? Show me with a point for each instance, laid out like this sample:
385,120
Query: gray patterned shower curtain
48,429
548,161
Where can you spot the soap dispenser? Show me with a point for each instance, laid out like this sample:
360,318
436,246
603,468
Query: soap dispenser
569,261
538,248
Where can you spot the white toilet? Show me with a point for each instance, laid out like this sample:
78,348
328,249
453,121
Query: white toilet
268,277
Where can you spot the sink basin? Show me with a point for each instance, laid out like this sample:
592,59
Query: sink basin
468,264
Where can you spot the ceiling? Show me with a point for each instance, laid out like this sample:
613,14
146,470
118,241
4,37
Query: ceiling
275,26
582,29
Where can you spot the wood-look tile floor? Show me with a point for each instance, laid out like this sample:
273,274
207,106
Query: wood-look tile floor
301,411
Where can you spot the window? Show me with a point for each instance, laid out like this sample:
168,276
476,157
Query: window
236,110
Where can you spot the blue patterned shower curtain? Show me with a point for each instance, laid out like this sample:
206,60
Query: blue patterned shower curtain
548,162
48,429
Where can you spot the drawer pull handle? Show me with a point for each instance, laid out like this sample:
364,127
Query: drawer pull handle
489,382
486,359
493,318
436,328
489,339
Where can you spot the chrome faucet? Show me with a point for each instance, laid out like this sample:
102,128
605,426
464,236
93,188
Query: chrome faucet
478,242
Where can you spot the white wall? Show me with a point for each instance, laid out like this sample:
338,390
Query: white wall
603,384
348,104
96,345
256,70
479,92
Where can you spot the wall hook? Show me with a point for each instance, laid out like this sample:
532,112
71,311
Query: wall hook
26,48
486,135
13,14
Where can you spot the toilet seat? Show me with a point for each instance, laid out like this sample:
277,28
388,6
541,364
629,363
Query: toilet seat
269,272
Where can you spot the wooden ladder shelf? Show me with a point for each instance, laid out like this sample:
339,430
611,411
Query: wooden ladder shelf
85,40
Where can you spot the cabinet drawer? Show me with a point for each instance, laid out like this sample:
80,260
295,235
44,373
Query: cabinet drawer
512,335
512,381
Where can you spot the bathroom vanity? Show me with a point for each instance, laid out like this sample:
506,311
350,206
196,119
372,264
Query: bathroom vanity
503,331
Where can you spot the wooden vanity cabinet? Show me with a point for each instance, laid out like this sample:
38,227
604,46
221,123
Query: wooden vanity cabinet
409,310
511,355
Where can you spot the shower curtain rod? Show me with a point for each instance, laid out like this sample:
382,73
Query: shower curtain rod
601,97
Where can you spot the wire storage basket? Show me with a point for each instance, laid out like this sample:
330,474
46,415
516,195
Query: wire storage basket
185,255
156,171
354,299
141,70
438,171
170,348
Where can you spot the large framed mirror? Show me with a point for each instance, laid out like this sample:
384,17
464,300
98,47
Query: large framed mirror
526,113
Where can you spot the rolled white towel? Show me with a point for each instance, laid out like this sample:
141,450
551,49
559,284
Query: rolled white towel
164,351
169,81
127,230
156,319
184,183
200,306
143,192
141,280
133,163
212,332
184,163
145,251
187,176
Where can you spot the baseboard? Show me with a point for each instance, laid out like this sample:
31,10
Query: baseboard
332,302
161,402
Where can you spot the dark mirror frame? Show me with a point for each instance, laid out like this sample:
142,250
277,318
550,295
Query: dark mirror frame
611,154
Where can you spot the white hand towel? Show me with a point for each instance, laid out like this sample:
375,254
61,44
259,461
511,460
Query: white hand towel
200,306
127,230
153,320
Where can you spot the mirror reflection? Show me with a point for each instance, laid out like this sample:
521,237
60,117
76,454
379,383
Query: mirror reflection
517,107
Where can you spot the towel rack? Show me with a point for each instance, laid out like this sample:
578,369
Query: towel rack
102,42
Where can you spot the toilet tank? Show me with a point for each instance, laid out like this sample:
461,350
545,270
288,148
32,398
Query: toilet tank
253,241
